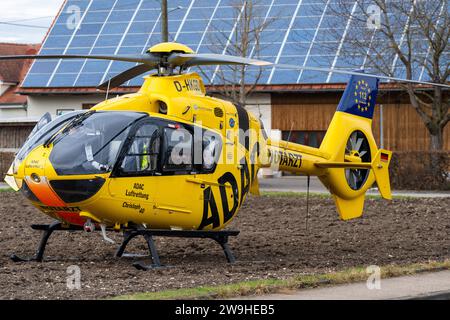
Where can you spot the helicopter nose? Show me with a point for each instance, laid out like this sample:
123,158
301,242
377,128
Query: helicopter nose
77,190
54,189
55,194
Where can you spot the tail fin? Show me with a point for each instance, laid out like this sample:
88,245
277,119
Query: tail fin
360,97
355,162
380,169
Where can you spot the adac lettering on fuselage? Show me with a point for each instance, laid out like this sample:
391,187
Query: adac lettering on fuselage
133,206
211,210
191,85
34,164
286,159
137,192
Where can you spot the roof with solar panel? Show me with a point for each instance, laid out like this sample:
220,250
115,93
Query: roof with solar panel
299,32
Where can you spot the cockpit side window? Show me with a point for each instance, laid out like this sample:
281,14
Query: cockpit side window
178,149
143,154
212,147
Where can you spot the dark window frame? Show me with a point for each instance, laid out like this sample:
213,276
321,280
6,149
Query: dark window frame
181,170
118,171
162,124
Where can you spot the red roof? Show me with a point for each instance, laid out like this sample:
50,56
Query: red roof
302,87
15,71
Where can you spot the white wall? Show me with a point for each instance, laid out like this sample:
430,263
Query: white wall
260,105
10,113
5,86
39,105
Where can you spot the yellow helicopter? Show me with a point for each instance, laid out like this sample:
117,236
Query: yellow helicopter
171,158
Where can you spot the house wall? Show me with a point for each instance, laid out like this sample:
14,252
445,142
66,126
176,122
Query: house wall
12,112
13,135
403,129
39,105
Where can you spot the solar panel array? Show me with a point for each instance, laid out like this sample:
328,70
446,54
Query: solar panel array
297,33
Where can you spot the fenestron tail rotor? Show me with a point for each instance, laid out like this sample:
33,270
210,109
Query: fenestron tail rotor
357,145
168,56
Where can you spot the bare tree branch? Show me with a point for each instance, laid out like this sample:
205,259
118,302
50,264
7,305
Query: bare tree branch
237,82
412,36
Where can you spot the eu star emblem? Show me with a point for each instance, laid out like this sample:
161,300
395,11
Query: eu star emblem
362,95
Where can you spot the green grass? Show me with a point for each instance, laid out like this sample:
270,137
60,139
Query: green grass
265,286
6,189
291,194
317,195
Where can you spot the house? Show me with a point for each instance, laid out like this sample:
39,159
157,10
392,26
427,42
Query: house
12,104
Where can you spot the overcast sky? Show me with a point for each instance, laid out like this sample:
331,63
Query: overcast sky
23,10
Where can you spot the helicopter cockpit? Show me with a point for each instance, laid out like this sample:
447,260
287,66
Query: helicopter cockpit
124,144
91,142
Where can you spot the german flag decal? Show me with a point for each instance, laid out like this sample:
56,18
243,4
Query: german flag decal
384,157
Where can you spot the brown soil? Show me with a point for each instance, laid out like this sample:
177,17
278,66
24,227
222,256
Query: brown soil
273,244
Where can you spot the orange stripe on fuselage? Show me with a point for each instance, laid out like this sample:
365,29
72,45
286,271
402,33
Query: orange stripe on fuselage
44,192
47,196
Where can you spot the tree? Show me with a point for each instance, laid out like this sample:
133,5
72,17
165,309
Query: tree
403,38
250,20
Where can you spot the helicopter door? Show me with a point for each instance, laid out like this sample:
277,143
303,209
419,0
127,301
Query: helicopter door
177,196
133,184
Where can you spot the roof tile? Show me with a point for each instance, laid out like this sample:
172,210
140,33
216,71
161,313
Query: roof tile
15,71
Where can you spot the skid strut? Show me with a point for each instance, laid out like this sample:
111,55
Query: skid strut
221,237
47,232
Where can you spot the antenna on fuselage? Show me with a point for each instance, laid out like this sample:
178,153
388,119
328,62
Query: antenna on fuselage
107,90
289,135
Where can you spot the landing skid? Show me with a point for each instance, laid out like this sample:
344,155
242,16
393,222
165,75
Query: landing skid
47,229
221,237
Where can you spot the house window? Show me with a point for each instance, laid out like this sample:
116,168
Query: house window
60,112
307,138
87,106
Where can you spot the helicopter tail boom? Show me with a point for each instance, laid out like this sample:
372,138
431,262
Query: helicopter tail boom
348,161
356,162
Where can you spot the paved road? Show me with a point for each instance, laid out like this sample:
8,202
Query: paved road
3,186
421,286
298,184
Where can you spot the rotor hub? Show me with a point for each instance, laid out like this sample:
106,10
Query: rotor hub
168,48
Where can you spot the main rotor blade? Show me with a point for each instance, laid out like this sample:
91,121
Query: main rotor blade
125,76
138,58
190,60
340,71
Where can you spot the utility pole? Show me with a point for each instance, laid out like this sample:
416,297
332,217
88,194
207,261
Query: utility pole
164,22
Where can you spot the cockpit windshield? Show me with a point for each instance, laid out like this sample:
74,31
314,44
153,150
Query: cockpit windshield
90,143
41,134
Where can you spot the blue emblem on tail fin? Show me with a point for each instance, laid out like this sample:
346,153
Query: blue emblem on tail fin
360,96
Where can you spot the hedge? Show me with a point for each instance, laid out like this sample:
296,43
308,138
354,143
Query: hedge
419,170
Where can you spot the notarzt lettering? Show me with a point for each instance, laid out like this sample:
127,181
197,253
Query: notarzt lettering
286,159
